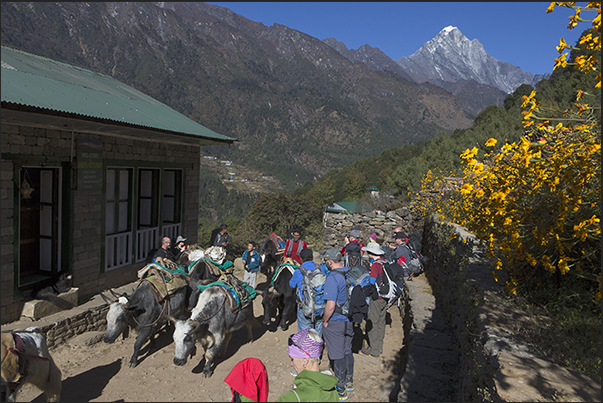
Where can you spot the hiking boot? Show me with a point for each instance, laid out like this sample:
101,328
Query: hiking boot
349,386
343,395
369,352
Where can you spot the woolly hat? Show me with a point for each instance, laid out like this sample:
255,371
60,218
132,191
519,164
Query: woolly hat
303,343
373,236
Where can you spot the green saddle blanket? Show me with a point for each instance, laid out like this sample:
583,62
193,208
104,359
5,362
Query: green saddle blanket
242,293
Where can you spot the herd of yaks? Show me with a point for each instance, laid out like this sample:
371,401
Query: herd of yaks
208,317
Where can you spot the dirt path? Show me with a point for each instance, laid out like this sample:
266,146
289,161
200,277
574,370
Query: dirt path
98,372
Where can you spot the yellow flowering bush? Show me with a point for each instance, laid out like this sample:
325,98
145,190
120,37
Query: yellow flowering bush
535,202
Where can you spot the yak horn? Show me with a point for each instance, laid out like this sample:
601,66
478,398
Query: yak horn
107,300
171,318
114,293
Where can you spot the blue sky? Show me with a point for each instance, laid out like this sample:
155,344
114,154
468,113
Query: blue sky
521,33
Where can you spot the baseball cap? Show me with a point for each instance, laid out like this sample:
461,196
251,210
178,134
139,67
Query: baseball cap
332,254
400,235
355,233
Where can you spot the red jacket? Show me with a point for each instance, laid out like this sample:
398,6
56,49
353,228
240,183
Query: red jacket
250,378
294,249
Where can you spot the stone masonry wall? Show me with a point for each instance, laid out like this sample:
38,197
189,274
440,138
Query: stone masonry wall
54,148
337,226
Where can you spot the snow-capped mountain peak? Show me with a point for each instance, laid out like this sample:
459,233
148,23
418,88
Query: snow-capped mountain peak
450,56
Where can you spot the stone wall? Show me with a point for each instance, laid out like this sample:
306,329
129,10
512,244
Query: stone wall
338,225
459,275
83,215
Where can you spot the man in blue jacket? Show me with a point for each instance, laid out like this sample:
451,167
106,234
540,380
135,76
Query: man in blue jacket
251,264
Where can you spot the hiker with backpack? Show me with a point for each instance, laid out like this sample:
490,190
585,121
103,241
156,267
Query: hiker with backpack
309,280
336,327
293,248
352,249
375,324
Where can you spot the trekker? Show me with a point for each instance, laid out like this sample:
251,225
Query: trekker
222,237
294,246
352,237
251,264
164,252
180,247
248,381
310,385
375,322
303,322
336,328
401,253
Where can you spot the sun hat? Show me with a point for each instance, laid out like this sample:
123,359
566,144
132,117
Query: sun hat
301,345
373,248
355,233
180,239
332,254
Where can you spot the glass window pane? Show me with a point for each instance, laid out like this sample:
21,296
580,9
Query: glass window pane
168,209
123,217
146,184
145,212
45,186
110,218
169,182
45,254
110,184
124,184
46,221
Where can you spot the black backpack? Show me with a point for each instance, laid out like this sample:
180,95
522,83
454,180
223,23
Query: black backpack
392,284
353,254
356,305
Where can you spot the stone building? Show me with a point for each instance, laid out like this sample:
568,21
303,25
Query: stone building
93,174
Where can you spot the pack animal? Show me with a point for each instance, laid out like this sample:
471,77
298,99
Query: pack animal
270,259
279,301
142,312
26,360
200,274
212,322
53,286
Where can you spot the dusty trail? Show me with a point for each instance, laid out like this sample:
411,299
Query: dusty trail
94,371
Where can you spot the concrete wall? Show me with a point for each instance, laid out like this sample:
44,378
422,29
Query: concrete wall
39,146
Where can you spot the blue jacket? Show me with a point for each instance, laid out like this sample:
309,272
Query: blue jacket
254,262
297,277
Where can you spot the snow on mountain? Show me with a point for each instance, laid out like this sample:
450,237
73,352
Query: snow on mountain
451,56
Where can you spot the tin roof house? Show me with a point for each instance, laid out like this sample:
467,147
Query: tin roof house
93,174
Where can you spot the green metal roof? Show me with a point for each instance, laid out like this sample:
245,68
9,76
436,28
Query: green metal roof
39,82
346,207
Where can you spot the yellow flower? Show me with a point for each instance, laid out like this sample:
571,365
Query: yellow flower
562,45
491,142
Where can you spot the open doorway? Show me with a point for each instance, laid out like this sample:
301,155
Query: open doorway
39,229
